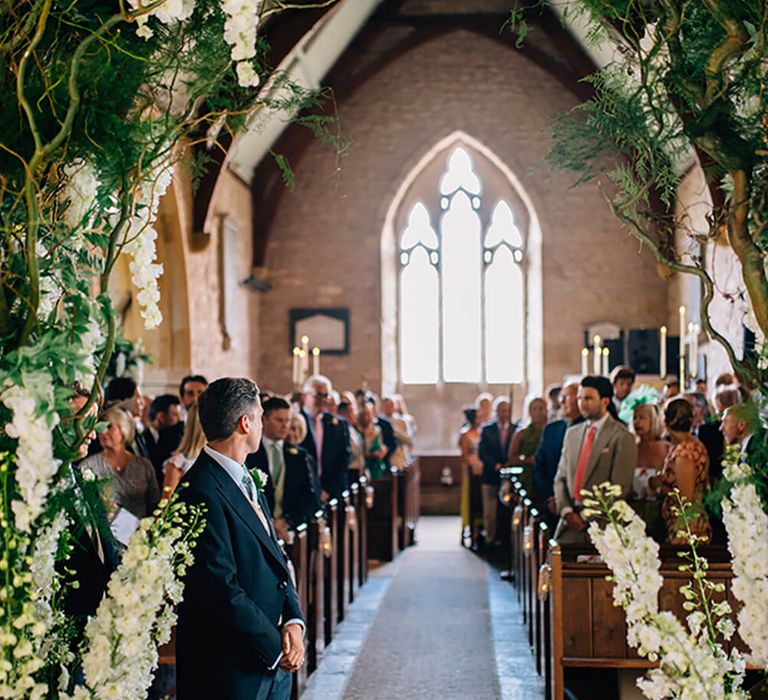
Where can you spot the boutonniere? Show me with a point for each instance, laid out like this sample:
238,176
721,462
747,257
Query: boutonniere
292,451
335,421
259,478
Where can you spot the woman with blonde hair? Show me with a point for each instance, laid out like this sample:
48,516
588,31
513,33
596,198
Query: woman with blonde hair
132,481
189,449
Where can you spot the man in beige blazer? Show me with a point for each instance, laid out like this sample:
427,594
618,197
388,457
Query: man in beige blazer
597,450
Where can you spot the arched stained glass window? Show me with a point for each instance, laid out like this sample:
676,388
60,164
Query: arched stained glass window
462,303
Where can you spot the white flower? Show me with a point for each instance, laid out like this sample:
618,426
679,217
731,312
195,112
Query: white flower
80,191
247,75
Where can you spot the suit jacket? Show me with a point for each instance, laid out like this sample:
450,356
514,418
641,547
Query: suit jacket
548,456
714,442
612,458
388,437
491,452
300,497
237,593
336,453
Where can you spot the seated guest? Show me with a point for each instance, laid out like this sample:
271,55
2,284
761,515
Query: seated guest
493,450
623,379
547,456
525,442
132,481
190,389
401,454
374,449
708,431
686,468
651,453
290,490
192,442
356,457
469,439
599,449
327,439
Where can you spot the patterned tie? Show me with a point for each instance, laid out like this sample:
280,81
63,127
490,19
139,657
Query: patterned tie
581,467
277,463
250,487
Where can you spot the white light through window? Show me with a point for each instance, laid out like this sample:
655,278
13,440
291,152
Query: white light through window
419,320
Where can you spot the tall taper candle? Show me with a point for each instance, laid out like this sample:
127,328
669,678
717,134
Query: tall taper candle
596,360
663,352
693,363
296,378
606,370
584,362
315,360
681,376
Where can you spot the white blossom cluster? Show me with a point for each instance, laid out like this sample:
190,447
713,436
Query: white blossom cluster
137,614
35,464
690,668
168,12
80,193
747,524
240,33
141,236
90,343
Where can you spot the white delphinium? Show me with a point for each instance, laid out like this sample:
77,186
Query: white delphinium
691,667
240,33
137,613
168,12
747,524
80,191
35,464
90,343
141,236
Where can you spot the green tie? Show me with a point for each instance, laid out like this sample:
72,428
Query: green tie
277,463
248,483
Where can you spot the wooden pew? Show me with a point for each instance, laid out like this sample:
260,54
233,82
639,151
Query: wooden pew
408,503
331,552
530,552
517,525
353,573
587,630
543,636
364,503
343,544
316,590
525,573
382,523
296,549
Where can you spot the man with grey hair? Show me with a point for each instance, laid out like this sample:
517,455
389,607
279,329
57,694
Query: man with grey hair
327,439
240,629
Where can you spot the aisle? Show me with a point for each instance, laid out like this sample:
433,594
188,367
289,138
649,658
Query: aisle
432,635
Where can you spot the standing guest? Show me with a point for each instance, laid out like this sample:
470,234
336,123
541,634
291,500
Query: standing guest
493,451
132,481
190,389
740,423
548,454
356,457
469,439
240,628
623,379
484,406
708,431
651,453
290,490
164,430
332,402
327,439
685,468
297,429
186,454
598,450
525,442
374,449
670,390
401,456
125,393
553,402
701,386
401,410
388,438
726,397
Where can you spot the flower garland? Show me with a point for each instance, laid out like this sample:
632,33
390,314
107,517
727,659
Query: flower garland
746,521
35,464
692,665
138,612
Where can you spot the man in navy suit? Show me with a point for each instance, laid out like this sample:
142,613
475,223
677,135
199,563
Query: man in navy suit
240,628
290,491
551,446
327,439
493,451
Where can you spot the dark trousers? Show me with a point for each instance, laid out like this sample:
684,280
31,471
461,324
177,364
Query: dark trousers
278,689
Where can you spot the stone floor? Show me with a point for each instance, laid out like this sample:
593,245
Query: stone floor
435,623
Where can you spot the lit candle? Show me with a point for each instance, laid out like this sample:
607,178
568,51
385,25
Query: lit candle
584,362
606,370
663,352
596,341
694,361
303,365
315,360
681,376
296,378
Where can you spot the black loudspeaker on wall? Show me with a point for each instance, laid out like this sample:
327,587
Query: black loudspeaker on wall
643,351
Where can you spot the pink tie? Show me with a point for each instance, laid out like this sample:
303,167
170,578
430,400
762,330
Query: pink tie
581,466
319,442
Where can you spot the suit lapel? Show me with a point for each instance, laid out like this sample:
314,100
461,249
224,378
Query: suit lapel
235,497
